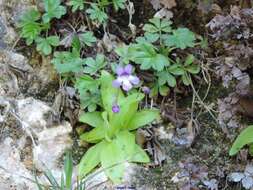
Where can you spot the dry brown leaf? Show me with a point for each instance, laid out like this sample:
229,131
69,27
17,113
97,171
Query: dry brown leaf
164,13
168,3
156,4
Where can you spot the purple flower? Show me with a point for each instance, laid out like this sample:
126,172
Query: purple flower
125,78
115,108
146,89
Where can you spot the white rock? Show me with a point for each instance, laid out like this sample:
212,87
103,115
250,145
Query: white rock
12,170
32,112
51,145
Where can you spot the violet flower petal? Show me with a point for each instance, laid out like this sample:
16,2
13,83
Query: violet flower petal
119,70
146,89
116,83
128,69
134,80
115,108
126,85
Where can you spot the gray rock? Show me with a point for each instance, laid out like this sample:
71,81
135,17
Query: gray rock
49,142
12,170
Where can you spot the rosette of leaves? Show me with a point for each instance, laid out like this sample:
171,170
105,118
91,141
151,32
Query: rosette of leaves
114,133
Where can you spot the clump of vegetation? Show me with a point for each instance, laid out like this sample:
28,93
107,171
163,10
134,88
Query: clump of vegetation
153,52
113,131
66,181
111,106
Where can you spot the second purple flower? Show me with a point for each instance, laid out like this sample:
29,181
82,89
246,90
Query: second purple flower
125,78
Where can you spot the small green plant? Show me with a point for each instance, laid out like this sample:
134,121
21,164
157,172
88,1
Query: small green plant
88,89
112,113
32,26
76,5
113,131
53,9
245,138
66,182
66,62
45,45
154,51
97,14
97,9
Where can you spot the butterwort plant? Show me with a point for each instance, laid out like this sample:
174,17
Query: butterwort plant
113,133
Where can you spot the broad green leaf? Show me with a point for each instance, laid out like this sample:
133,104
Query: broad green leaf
94,65
146,55
245,137
171,80
164,90
166,77
67,62
93,119
96,14
157,25
91,159
118,4
159,62
181,38
176,69
186,79
151,38
251,149
85,82
143,118
87,38
95,135
90,96
53,9
112,160
92,107
30,27
150,28
194,69
44,45
53,40
90,100
76,5
189,60
123,52
140,156
126,142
